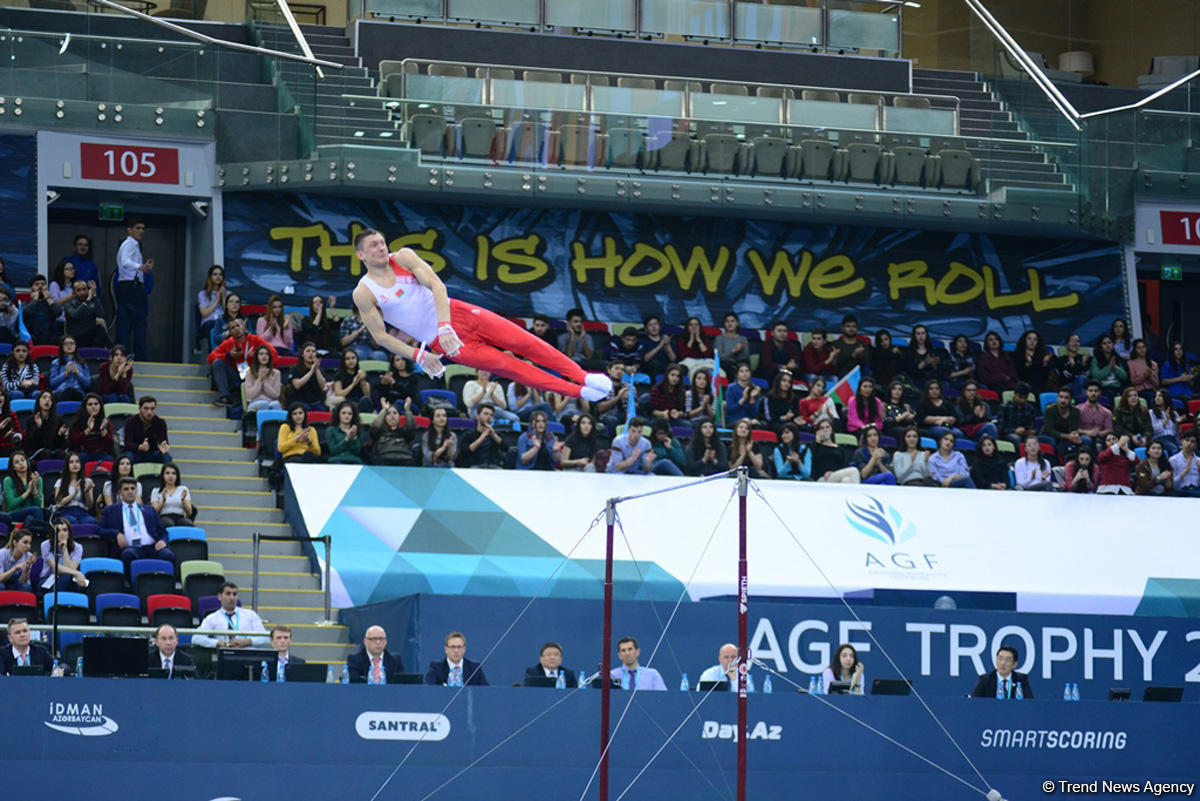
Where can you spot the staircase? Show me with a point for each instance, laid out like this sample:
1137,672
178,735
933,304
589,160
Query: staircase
335,119
233,503
1012,162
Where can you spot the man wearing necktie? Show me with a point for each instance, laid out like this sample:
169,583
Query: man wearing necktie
165,653
632,675
134,528
229,618
281,641
455,670
21,651
374,664
1003,681
550,666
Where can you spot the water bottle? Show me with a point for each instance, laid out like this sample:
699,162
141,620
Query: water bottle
329,677
559,682
79,667
55,668
767,684
820,685
263,675
1075,691
1067,691
683,684
345,674
812,685
280,674
1020,692
583,682
749,682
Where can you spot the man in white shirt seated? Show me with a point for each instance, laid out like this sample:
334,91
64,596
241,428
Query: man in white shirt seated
165,654
231,617
726,667
631,675
550,666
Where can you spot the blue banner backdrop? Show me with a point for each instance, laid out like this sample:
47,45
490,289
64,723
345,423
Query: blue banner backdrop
621,267
942,651
18,207
131,740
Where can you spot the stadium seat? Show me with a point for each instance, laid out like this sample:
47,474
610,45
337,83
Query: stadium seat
721,153
825,95
188,543
672,150
21,405
479,138
624,148
17,603
152,577
427,133
763,435
957,169
206,605
104,575
118,609
818,160
910,101
909,166
201,577
443,394
579,146
169,608
71,609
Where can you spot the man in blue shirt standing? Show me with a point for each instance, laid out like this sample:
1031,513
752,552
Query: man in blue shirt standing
132,307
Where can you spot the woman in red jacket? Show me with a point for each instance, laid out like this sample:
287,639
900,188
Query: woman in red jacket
1116,462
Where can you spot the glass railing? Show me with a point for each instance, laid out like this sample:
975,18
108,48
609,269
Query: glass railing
871,27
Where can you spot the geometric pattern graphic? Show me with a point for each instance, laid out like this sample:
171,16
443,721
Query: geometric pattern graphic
1167,597
399,531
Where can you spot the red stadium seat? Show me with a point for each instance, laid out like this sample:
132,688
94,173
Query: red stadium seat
287,361
41,351
17,603
1193,406
989,394
319,417
254,309
166,601
595,325
763,435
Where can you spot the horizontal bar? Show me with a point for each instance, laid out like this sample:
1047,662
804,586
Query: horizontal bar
147,630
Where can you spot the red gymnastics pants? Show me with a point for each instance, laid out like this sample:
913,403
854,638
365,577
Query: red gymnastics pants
486,335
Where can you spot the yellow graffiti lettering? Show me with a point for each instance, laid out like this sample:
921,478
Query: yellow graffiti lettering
628,275
422,243
995,300
833,278
483,256
1048,304
519,262
959,270
768,278
910,275
583,263
297,234
327,251
699,260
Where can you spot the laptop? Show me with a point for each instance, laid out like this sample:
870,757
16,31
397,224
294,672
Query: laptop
1171,694
27,670
891,687
718,686
113,657
540,681
305,673
176,672
839,688
406,678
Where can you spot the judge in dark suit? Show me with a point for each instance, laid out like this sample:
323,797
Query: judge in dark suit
21,652
374,662
1003,681
456,667
550,666
134,528
165,654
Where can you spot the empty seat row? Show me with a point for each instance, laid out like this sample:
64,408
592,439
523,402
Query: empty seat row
862,159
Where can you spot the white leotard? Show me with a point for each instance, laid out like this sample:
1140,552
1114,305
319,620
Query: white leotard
407,304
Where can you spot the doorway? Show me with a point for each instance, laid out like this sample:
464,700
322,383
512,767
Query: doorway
165,241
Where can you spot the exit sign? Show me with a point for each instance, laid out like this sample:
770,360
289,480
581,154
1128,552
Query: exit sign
1172,272
114,212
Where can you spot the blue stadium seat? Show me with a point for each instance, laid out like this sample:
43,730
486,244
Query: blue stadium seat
1046,398
187,543
118,609
105,575
22,405
152,577
65,600
67,407
266,415
444,394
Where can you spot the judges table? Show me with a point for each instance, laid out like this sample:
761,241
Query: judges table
133,739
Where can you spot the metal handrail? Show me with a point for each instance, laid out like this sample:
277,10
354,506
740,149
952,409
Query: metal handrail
262,51
291,21
147,630
327,539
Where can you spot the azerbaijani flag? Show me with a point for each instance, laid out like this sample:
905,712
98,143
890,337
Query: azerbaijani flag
631,410
845,389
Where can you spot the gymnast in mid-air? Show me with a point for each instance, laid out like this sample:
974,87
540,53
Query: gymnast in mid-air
402,290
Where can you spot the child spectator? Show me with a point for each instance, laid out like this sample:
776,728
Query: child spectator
210,301
1115,461
666,447
306,381
392,438
74,493
873,462
1166,421
657,352
948,467
699,396
1018,417
45,435
816,406
990,471
20,375
793,459
350,383
729,347
1108,368
69,376
482,448
864,409
743,450
91,433
579,449
1071,368
263,386
317,328
1082,473
706,453
743,399
962,364
668,398
440,445
343,442
1129,419
829,462
275,327
817,356
936,415
352,333
910,463
1153,475
115,384
1033,472
898,415
1033,361
781,400
887,360
482,390
537,447
993,367
924,361
171,498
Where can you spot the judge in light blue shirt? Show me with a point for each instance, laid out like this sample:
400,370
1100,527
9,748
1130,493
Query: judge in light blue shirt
631,675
